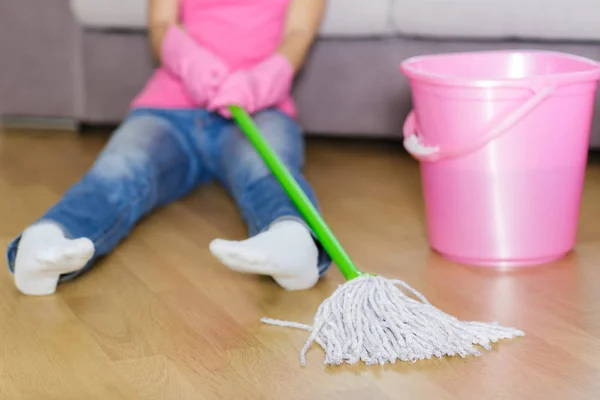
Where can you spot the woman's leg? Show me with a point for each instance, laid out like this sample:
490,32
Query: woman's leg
281,245
150,160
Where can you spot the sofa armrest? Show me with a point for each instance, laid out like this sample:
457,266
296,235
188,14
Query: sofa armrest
39,59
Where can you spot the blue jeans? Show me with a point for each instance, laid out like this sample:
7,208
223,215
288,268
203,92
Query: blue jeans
157,156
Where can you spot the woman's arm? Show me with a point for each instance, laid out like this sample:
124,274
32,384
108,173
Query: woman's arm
161,15
301,27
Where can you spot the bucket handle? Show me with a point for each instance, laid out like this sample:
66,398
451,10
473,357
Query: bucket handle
422,152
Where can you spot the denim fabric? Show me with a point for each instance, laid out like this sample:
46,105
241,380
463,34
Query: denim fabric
157,156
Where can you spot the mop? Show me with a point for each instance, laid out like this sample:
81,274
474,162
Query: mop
370,318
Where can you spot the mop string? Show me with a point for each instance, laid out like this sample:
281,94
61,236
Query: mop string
286,324
411,290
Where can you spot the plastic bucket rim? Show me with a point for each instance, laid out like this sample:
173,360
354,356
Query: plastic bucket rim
592,74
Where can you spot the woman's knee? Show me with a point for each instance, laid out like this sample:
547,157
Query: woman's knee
124,169
121,165
283,135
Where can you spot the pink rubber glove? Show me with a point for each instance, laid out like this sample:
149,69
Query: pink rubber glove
200,71
266,85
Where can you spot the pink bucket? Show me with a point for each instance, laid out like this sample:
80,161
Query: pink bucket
502,138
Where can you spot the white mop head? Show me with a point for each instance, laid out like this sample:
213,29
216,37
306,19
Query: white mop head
370,319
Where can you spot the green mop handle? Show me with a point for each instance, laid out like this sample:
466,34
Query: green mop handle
296,194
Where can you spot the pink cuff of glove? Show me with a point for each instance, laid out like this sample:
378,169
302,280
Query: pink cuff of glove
272,82
197,67
278,70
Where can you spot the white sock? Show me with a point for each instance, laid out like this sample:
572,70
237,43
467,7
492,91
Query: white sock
286,251
44,254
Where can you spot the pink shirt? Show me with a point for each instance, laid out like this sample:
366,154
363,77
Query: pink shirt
241,32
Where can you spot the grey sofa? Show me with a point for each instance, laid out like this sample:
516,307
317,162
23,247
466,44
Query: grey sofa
66,59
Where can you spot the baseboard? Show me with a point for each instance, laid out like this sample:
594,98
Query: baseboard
17,122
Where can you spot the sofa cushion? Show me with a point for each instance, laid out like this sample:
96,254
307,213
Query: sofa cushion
526,19
343,17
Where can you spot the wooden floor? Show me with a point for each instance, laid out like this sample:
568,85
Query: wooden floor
161,319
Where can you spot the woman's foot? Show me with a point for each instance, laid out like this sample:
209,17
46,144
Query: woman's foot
44,254
286,251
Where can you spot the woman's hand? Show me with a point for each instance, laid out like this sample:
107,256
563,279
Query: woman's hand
201,71
270,82
264,86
